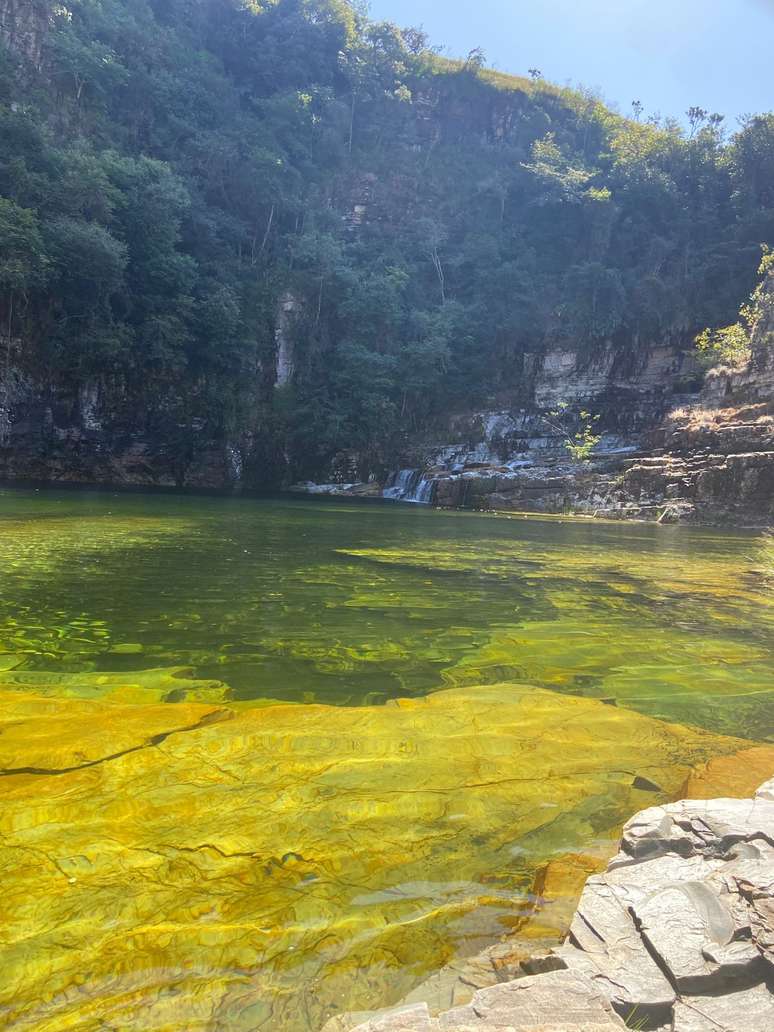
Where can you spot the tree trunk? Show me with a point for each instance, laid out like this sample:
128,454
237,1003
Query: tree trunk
439,270
319,302
351,123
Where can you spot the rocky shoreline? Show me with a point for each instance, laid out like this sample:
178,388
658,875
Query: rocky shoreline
705,457
677,935
709,462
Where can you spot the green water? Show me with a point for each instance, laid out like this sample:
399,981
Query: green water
357,604
181,853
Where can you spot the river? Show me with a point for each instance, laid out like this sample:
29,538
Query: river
266,761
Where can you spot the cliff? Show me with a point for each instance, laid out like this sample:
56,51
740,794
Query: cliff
23,27
249,245
659,453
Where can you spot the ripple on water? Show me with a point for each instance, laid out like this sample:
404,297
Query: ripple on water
216,814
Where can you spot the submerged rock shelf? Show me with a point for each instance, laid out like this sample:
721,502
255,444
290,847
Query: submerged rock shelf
677,935
190,866
266,764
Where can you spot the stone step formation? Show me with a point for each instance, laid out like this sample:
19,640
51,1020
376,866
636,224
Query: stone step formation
706,457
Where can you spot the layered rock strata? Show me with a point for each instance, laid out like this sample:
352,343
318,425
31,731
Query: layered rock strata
707,456
716,465
677,935
709,460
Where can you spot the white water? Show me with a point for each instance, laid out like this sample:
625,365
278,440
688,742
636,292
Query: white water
409,485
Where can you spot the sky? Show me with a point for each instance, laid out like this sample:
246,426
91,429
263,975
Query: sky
669,54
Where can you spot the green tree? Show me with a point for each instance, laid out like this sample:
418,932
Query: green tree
23,264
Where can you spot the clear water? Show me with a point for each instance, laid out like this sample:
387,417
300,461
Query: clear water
539,643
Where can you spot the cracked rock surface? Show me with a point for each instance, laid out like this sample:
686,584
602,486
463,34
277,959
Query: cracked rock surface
677,935
202,867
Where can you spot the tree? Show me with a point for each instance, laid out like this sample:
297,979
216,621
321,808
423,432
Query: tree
732,345
24,264
697,117
752,164
558,178
87,272
23,270
476,60
176,168
580,440
593,301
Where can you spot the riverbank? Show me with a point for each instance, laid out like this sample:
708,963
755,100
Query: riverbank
705,458
706,463
677,935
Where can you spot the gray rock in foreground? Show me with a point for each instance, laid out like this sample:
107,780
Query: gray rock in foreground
677,935
560,1001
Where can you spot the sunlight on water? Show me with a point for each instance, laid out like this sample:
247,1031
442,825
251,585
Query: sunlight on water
265,762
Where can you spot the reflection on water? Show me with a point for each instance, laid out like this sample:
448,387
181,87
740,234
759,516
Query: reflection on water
180,852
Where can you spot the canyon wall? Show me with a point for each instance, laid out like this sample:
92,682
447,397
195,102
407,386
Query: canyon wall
254,245
673,445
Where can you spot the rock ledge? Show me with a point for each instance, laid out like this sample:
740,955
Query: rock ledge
677,935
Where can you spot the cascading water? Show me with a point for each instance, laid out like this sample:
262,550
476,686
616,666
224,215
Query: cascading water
409,485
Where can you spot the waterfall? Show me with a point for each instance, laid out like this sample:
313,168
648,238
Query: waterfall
409,485
235,463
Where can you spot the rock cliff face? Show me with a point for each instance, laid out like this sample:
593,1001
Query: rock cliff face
714,458
663,454
677,935
96,436
23,25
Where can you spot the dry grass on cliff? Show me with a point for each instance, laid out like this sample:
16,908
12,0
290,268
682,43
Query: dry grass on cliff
694,418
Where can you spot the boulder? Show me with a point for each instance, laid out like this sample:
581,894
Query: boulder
706,828
605,945
686,928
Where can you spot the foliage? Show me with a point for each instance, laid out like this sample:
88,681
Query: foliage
728,345
579,437
175,170
732,345
23,261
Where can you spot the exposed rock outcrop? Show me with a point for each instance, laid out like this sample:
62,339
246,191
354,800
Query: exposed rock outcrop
706,456
23,26
710,459
288,313
643,375
676,935
559,1001
711,465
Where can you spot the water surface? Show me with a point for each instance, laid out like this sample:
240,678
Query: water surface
271,760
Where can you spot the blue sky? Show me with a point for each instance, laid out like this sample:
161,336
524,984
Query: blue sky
670,54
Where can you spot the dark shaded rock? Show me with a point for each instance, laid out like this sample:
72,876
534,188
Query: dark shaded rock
643,784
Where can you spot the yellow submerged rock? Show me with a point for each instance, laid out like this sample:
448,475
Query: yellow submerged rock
184,866
170,684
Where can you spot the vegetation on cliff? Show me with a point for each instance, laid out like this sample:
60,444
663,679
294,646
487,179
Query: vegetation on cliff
733,345
175,174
